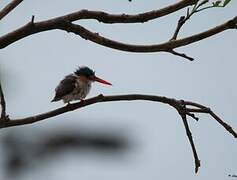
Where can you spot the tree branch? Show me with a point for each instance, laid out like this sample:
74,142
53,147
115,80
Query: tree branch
167,46
182,20
181,55
111,18
97,99
126,18
179,105
190,138
9,7
3,105
32,28
180,23
220,121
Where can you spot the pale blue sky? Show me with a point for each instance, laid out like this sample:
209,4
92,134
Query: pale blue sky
34,65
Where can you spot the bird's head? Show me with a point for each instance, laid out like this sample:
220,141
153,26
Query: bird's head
87,74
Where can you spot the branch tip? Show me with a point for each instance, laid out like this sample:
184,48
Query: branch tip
190,138
192,116
181,55
197,165
32,19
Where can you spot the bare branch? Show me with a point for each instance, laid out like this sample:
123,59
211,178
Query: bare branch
181,22
30,29
32,19
181,55
179,105
192,116
194,104
9,7
184,19
126,18
226,126
217,118
97,99
3,104
190,138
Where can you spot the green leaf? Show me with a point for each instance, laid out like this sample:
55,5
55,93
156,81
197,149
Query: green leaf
226,2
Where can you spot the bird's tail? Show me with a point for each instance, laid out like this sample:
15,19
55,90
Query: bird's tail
55,99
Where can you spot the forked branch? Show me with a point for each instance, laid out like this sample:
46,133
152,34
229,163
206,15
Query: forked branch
184,108
65,23
183,19
33,28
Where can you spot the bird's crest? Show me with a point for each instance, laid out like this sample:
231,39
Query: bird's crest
84,70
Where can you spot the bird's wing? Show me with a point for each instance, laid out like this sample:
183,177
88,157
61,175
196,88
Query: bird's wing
65,87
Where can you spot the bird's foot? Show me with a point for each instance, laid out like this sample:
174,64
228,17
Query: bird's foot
82,101
68,104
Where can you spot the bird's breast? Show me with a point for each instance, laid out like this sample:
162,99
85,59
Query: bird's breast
81,89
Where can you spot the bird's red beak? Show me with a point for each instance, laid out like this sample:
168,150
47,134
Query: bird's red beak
101,80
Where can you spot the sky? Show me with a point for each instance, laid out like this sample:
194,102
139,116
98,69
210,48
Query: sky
32,67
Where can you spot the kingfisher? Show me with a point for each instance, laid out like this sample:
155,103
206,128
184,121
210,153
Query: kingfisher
77,85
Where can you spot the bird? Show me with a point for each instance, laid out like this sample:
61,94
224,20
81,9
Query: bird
76,86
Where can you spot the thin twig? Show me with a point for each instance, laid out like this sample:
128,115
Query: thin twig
9,7
190,138
217,118
183,19
180,23
32,19
224,124
197,110
181,55
3,104
194,104
192,116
